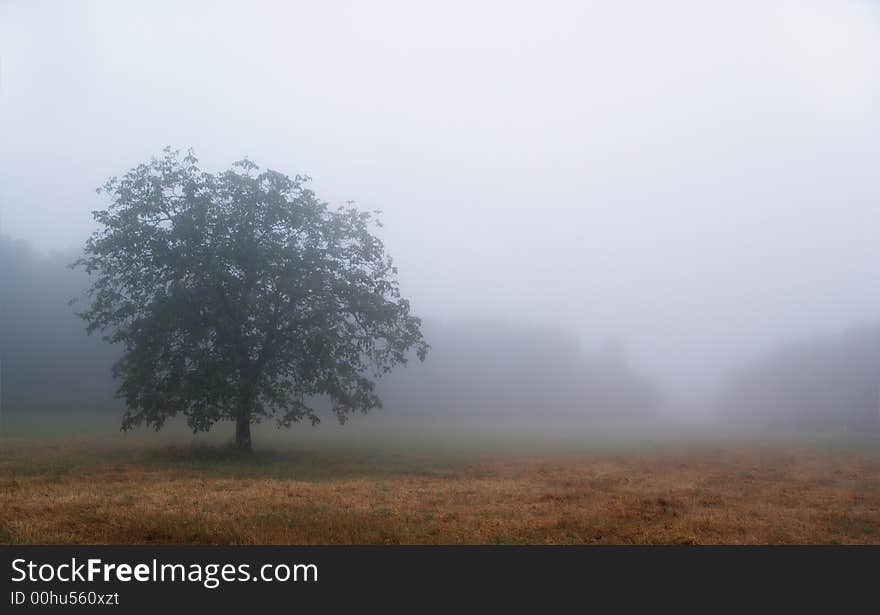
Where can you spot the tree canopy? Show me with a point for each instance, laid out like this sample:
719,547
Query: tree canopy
241,296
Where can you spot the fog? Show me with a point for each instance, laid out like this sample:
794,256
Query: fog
653,194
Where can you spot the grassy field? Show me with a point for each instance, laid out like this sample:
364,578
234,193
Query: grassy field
697,490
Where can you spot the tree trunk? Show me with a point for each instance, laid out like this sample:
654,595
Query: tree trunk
243,431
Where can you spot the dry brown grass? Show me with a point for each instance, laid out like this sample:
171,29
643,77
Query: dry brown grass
727,494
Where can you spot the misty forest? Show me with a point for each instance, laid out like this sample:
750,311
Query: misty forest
53,370
471,274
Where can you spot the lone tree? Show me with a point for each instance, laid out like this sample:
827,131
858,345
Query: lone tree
241,296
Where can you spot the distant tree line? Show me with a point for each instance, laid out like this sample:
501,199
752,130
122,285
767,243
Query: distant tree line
829,381
491,368
481,368
49,364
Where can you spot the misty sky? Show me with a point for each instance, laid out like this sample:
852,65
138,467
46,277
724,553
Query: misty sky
700,179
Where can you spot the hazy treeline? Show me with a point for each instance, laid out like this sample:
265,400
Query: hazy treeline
475,368
830,381
51,366
494,368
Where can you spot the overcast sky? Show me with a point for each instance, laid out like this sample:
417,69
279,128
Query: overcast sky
700,179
